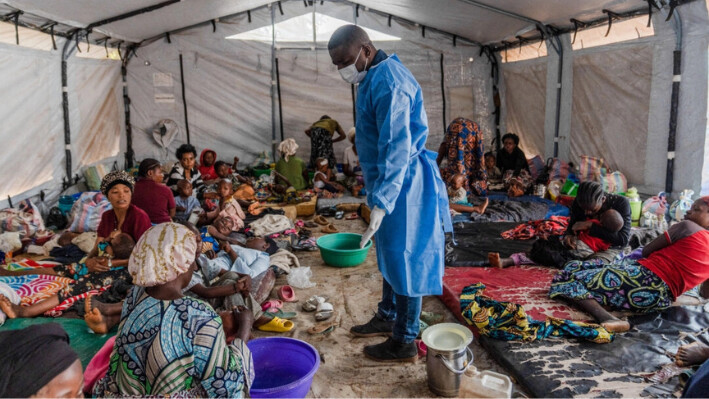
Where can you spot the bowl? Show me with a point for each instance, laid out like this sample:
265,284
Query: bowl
342,249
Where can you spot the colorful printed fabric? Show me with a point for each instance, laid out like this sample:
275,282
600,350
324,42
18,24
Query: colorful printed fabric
554,226
173,347
466,155
508,321
86,281
36,288
624,284
27,264
164,252
321,146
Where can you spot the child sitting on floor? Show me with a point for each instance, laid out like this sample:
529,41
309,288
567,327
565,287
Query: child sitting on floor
117,246
323,181
225,172
186,203
458,197
494,176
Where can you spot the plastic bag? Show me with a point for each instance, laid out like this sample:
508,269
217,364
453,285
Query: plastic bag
656,204
299,277
590,168
680,207
613,182
653,221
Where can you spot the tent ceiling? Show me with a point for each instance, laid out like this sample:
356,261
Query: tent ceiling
459,17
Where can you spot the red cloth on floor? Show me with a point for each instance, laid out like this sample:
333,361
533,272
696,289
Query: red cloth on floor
554,226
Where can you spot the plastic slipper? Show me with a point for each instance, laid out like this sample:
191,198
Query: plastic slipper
286,294
352,216
324,311
431,318
312,303
329,229
323,328
277,325
311,224
339,214
422,348
271,304
321,220
281,314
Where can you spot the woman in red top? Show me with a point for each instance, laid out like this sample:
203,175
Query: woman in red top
151,194
672,264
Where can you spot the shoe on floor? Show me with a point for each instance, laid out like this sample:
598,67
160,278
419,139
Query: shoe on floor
392,351
329,229
374,327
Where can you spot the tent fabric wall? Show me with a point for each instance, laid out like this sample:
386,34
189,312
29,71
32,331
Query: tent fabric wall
610,108
525,83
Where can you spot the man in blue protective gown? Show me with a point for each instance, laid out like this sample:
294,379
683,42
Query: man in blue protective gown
404,189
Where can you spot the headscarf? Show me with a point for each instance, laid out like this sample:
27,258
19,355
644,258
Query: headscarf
351,134
288,147
116,177
30,358
163,252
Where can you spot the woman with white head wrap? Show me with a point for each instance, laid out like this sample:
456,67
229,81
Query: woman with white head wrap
291,166
168,344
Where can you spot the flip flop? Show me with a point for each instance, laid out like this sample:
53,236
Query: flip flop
271,304
281,314
323,328
352,216
286,294
422,348
324,311
339,214
329,229
311,224
321,220
312,303
277,325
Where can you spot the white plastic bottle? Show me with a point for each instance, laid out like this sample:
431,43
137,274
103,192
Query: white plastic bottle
485,384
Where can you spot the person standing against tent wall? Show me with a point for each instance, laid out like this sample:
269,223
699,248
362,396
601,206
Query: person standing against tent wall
404,189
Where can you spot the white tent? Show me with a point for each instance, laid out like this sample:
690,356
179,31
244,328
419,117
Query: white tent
210,65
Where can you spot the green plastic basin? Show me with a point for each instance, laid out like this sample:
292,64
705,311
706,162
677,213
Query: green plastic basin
342,249
259,172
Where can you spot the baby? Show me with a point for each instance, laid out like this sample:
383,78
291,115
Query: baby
494,176
323,180
186,203
611,220
116,246
456,191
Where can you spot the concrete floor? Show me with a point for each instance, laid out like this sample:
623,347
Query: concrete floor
354,293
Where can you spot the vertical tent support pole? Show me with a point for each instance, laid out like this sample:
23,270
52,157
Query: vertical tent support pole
557,120
443,94
130,154
184,99
674,106
66,51
280,105
273,83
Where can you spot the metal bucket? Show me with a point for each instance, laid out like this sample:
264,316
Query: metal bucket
448,357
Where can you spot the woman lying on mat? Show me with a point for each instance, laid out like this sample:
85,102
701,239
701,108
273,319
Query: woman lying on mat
671,264
182,346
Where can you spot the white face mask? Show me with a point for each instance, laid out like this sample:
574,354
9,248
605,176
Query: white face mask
350,73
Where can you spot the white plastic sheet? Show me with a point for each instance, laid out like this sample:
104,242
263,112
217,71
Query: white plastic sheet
525,84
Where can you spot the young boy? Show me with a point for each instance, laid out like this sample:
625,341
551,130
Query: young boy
185,203
185,169
116,246
323,180
494,176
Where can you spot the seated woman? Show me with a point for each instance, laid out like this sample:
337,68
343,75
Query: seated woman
184,348
185,169
37,361
119,247
291,166
514,167
151,194
354,181
463,148
591,204
323,181
671,265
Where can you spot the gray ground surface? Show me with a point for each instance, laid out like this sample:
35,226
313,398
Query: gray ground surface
354,293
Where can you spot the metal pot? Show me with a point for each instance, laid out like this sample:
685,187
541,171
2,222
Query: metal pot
444,370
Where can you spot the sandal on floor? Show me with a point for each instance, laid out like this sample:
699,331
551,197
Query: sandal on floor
281,314
277,325
321,220
352,216
286,294
324,327
311,224
329,229
271,304
324,311
431,318
312,303
339,214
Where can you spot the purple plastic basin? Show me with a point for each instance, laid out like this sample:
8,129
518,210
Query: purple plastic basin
284,367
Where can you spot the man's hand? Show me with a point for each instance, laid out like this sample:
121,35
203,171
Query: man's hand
375,221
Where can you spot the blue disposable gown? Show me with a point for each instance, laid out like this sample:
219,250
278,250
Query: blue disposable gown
402,178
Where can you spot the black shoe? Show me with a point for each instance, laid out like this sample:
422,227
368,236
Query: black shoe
373,328
392,351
